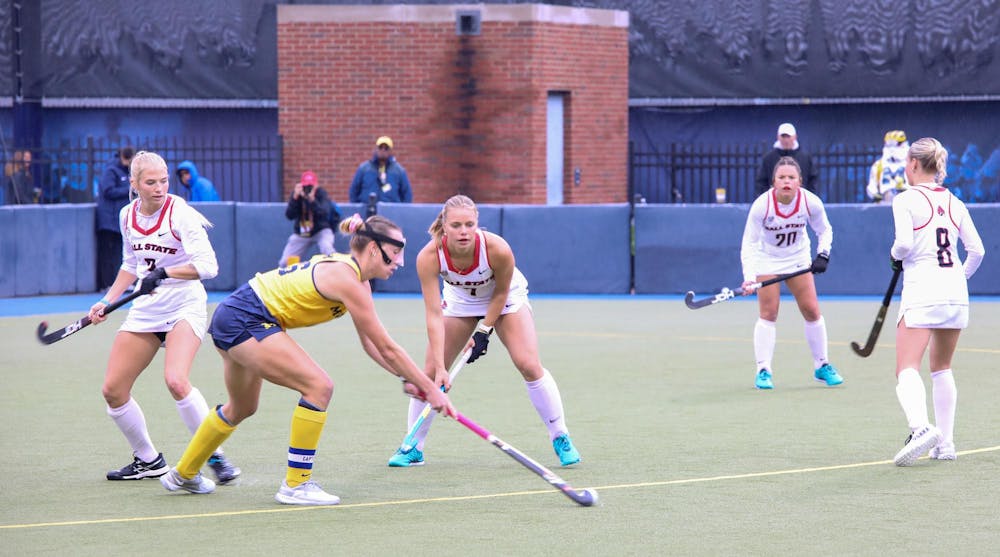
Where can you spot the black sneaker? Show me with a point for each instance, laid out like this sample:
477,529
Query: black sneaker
224,470
138,469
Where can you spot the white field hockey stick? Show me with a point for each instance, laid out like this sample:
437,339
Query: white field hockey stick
408,442
726,293
586,497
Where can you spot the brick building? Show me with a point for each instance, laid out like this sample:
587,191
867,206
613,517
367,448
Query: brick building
465,91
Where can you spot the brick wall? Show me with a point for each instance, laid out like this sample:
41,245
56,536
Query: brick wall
467,113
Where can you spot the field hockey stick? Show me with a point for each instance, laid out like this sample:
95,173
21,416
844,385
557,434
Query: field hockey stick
457,366
869,346
726,293
587,497
75,326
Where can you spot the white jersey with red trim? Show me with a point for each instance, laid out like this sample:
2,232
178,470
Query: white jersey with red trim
775,234
173,235
468,291
929,220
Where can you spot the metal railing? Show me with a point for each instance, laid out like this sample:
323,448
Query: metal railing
69,170
686,173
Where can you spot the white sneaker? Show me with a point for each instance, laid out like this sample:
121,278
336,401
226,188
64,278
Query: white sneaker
309,493
918,444
173,481
944,451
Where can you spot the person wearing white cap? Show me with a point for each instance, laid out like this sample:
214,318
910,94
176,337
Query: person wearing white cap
314,215
383,176
786,145
888,174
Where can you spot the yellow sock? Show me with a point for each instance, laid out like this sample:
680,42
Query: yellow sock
307,425
211,433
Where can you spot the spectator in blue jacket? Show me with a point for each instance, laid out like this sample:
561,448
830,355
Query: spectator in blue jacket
114,195
381,175
202,189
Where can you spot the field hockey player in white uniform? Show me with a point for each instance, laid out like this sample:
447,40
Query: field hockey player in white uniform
165,245
775,242
935,301
483,290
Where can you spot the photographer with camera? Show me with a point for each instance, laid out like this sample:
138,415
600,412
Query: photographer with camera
314,215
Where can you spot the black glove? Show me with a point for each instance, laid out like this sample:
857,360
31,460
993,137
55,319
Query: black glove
480,338
152,280
820,263
896,264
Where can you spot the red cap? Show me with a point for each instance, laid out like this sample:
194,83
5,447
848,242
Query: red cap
308,178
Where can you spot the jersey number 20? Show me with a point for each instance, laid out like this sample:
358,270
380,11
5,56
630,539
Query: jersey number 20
786,239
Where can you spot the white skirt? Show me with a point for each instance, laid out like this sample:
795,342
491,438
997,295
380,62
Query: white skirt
783,266
943,316
160,311
456,307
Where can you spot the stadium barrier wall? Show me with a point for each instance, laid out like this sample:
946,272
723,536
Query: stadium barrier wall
51,249
697,247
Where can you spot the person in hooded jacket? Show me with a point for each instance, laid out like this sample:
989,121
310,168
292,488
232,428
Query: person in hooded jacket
201,188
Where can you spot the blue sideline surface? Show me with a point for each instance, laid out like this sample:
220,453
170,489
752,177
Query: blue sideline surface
80,303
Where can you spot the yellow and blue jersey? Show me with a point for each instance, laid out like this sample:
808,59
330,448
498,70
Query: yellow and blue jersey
290,293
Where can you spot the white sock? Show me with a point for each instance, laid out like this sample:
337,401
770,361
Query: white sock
193,410
544,394
132,423
816,338
416,407
913,398
945,396
764,336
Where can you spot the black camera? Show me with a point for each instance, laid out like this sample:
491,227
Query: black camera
307,189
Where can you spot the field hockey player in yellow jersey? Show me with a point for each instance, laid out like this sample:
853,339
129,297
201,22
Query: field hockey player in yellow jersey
248,329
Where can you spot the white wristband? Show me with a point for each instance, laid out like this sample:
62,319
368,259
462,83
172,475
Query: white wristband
481,328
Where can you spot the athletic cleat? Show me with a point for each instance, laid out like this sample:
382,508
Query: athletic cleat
413,457
763,380
224,470
309,493
943,451
917,444
828,374
173,481
567,453
138,469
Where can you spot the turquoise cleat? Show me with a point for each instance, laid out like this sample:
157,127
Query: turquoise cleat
763,380
413,457
828,374
565,450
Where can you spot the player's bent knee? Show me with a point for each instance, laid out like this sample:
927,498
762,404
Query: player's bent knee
115,398
179,386
319,392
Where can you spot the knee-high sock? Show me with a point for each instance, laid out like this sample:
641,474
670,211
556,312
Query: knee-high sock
816,338
132,423
912,397
212,432
945,395
307,425
193,410
544,394
764,336
416,407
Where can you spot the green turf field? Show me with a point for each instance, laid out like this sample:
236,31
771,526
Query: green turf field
687,456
